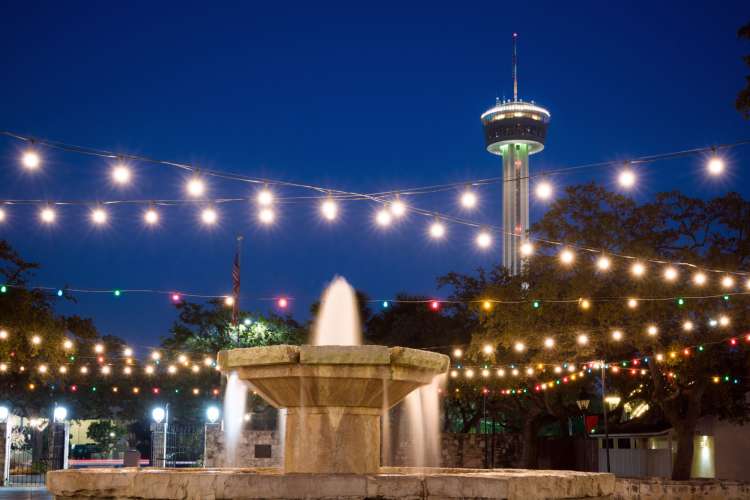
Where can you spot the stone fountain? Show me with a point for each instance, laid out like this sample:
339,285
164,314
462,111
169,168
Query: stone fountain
334,396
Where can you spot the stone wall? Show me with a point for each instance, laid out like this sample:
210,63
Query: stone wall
251,449
665,489
468,451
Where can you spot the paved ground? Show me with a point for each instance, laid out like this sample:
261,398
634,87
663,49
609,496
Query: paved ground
11,493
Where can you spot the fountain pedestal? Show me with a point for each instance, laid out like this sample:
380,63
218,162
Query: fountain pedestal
334,396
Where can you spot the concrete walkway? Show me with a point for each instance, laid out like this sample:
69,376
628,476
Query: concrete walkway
17,493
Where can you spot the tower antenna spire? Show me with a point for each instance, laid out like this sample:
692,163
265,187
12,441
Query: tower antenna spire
515,68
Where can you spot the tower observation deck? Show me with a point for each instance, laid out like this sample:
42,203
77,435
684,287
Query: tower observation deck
515,129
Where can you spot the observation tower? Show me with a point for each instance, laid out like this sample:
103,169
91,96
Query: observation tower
515,129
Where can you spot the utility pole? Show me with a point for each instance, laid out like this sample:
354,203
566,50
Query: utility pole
604,406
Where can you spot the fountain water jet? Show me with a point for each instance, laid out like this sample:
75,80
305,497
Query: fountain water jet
338,321
235,400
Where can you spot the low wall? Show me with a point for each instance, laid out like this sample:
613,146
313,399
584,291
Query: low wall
665,489
253,448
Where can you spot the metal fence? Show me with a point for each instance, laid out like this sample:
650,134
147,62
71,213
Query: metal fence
177,445
33,452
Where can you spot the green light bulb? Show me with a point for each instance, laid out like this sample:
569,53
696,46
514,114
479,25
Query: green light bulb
117,293
536,304
3,289
680,301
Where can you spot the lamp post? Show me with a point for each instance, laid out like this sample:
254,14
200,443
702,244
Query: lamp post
583,405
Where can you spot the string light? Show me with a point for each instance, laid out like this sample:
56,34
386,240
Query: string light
329,209
715,166
670,273
209,216
99,348
229,301
699,278
501,373
484,239
527,248
67,344
398,208
638,269
156,355
582,339
585,304
127,352
603,263
31,160
457,353
106,370
121,174
469,199
469,373
47,215
99,216
549,343
63,369
488,349
727,282
437,230
617,335
519,346
282,303
567,256
434,305
687,326
724,320
172,369
266,216
544,190
383,218
3,334
149,369
626,178
84,370
36,340
195,187
151,217
652,330
487,305
265,197
2,215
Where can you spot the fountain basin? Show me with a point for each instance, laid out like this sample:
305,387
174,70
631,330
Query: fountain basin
334,396
390,483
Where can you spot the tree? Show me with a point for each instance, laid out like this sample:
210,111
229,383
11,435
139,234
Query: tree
208,328
743,98
712,234
106,434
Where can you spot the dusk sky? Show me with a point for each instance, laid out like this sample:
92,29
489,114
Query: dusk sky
353,96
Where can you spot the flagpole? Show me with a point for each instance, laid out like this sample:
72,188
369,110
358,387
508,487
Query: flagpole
236,286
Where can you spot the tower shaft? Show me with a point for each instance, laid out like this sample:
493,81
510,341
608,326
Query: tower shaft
515,203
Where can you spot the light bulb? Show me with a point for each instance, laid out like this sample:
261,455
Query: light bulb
121,174
699,279
727,282
48,215
229,301
68,344
626,178
488,349
638,269
603,263
196,187
383,218
3,334
329,209
398,208
265,197
127,352
549,342
544,190
582,339
670,273
283,302
31,160
437,230
266,216
468,199
724,320
99,348
652,330
617,335
2,215
156,355
715,166
688,326
484,239
527,248
99,216
632,303
151,217
457,353
209,216
519,346
36,340
567,257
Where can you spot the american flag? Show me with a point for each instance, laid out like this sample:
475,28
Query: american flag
236,287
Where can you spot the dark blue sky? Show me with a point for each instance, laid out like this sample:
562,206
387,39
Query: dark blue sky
364,98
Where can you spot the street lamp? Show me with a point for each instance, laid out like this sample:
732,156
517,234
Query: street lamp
60,414
212,414
158,414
